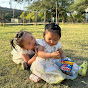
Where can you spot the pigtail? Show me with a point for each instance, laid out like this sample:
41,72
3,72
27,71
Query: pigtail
12,43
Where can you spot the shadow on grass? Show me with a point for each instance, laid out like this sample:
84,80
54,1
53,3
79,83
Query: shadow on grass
71,54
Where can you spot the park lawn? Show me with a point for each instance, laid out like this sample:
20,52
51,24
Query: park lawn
74,42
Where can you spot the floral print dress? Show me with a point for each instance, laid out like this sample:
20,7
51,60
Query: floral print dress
48,69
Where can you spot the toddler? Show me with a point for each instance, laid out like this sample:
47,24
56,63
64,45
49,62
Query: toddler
25,50
50,56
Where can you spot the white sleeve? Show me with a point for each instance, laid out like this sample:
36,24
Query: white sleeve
21,51
27,52
24,52
59,45
40,42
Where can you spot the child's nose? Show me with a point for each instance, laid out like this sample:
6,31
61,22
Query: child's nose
52,41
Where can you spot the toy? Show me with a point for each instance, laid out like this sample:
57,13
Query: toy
83,69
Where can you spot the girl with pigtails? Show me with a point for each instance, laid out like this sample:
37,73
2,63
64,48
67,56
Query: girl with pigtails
24,50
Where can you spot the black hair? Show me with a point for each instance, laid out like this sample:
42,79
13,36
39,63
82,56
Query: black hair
18,40
52,27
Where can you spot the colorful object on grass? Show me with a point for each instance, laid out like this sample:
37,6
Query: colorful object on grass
66,66
83,68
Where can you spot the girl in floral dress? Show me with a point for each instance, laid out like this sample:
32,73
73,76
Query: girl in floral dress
48,62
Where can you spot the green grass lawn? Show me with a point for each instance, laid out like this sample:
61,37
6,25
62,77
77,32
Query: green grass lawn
74,42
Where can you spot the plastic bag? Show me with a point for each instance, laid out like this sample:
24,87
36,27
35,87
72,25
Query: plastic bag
66,66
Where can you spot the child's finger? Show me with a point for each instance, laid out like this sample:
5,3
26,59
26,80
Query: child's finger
58,57
57,52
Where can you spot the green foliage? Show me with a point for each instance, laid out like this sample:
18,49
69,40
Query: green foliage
79,5
49,6
21,16
27,17
8,17
40,16
32,15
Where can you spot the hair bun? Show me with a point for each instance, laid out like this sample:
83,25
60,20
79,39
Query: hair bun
19,34
54,26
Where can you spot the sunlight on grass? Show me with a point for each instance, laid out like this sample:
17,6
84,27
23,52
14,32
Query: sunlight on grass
74,42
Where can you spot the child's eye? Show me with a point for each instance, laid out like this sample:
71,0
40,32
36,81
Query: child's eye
49,39
55,40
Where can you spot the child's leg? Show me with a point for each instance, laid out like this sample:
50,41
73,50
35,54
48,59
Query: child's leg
83,69
24,65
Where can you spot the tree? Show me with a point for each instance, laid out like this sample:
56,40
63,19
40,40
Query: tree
34,8
49,8
79,6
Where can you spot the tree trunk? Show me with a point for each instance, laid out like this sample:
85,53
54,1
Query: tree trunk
51,17
23,18
36,18
84,20
58,18
63,19
71,18
44,16
29,17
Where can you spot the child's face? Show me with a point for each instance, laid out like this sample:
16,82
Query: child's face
29,42
51,38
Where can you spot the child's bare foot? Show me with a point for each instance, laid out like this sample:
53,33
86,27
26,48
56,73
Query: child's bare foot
34,78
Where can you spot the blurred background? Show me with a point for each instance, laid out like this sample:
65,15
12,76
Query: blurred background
43,11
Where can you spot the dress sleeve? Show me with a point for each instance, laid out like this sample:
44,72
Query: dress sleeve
21,51
27,52
40,42
59,45
24,52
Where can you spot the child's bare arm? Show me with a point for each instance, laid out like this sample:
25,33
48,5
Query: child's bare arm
30,61
27,58
62,55
46,55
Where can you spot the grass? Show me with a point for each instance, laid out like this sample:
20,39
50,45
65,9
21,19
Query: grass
74,42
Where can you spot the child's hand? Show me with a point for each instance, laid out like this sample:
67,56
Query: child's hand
55,55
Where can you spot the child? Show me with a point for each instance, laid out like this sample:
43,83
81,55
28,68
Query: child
24,49
47,63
